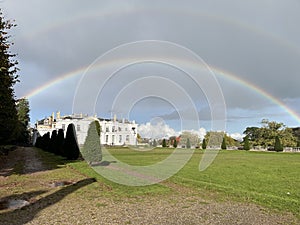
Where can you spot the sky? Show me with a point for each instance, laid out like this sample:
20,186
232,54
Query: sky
74,54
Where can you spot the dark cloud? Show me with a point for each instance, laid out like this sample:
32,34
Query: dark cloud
257,41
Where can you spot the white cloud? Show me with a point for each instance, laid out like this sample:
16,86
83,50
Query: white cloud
237,136
157,130
161,130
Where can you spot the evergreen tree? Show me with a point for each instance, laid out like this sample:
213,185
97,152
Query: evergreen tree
175,143
154,144
60,143
53,139
278,146
23,110
246,143
223,146
204,144
46,141
8,114
188,143
164,143
91,150
70,147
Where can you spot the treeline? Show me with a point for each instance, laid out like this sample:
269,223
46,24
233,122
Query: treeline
272,135
14,114
60,145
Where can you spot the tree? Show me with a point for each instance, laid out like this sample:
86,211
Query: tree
60,139
70,147
175,143
193,138
214,138
265,135
164,143
204,144
278,146
8,114
53,140
246,143
223,145
188,143
91,150
22,106
154,143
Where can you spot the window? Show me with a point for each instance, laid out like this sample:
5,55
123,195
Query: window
112,139
63,126
107,129
106,139
113,129
78,127
127,138
120,138
119,128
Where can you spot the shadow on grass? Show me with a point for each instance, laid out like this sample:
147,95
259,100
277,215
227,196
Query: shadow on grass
26,160
27,213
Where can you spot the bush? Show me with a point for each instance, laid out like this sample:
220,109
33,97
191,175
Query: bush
91,150
278,146
188,143
223,146
204,144
246,143
71,149
60,139
53,141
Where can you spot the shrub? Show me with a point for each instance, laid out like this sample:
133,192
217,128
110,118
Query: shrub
223,146
60,139
53,141
278,146
204,144
70,147
91,150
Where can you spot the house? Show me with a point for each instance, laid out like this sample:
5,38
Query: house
113,132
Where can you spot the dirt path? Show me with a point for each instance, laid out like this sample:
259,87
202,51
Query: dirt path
22,160
183,206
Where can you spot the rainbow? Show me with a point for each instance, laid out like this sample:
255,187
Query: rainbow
217,71
53,25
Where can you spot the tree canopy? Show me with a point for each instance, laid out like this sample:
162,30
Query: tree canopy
266,134
9,123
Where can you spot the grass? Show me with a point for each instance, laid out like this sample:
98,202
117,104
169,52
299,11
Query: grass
264,178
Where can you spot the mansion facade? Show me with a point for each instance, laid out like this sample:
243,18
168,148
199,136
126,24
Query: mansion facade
113,132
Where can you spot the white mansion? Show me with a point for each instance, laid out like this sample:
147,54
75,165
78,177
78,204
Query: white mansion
113,131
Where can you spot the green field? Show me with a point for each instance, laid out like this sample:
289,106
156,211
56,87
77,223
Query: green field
265,178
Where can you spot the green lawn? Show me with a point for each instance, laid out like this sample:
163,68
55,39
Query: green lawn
265,178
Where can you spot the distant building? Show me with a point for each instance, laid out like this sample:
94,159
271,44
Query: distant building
113,132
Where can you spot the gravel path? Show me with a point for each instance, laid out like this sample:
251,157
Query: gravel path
184,206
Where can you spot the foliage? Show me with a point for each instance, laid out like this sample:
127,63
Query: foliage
91,150
204,144
22,107
53,140
154,143
70,147
188,143
193,138
278,146
164,143
214,139
223,145
265,135
9,125
246,143
60,139
175,143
